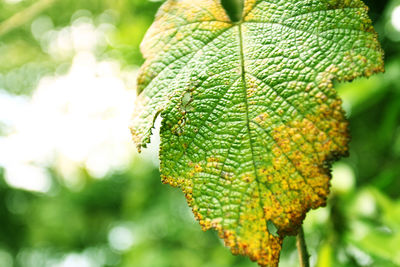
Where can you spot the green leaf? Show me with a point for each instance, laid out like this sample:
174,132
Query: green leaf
250,119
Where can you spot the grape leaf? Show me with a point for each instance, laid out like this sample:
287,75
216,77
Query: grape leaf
250,119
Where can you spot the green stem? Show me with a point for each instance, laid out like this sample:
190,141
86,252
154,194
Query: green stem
24,16
302,249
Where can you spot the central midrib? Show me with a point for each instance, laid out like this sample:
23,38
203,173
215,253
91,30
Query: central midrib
243,74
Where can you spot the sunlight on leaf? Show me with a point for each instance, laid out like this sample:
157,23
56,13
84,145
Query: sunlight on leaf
250,119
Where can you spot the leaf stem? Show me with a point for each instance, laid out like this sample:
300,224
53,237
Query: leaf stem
24,16
302,249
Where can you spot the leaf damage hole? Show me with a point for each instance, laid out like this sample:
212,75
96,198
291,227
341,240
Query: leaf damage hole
272,229
234,9
186,99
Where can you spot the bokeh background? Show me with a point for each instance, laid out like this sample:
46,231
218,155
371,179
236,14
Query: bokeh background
75,193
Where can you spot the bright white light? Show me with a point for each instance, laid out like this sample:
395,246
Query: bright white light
82,35
396,18
72,121
121,238
343,178
75,260
28,177
11,108
81,119
366,204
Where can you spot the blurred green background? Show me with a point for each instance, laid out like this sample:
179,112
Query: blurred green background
74,193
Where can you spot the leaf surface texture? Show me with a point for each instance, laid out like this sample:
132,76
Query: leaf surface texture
250,118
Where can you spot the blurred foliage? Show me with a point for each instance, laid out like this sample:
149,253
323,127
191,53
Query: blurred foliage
129,218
